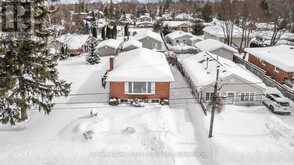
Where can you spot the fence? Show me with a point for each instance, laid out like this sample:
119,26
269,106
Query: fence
285,90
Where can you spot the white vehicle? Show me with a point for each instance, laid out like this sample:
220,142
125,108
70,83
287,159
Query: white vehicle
277,104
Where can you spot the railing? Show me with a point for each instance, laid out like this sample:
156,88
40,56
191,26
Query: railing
285,90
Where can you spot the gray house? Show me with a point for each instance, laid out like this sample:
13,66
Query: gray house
182,38
108,47
131,45
237,85
217,47
150,40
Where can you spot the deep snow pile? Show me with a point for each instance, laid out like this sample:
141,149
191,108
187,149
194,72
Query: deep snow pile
251,135
119,135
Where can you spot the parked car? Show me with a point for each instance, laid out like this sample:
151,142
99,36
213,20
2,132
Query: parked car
277,104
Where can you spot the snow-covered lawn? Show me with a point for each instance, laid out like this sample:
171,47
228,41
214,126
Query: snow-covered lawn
252,135
152,134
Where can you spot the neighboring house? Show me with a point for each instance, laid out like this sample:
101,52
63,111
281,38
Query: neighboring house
237,85
150,40
126,19
76,43
216,31
276,61
217,47
131,44
184,17
108,47
140,73
179,37
144,21
185,26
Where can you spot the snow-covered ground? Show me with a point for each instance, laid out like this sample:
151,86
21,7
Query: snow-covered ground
152,134
252,135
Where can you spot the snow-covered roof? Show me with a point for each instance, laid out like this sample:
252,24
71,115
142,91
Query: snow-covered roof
184,16
211,45
148,33
216,29
178,34
132,42
141,65
73,41
176,23
281,56
196,67
112,43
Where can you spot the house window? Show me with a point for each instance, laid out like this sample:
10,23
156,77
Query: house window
247,96
251,97
154,45
140,87
231,96
209,96
277,69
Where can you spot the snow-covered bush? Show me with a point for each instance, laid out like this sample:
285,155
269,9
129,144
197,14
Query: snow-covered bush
113,101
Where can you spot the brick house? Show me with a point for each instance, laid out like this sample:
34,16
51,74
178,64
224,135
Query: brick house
76,43
276,61
140,73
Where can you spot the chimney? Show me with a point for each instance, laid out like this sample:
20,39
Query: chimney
111,63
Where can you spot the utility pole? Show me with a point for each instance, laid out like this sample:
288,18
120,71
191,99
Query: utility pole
214,100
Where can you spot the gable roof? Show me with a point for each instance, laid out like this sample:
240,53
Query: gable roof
73,41
216,29
211,45
176,23
141,65
206,76
148,33
178,34
281,56
132,42
109,43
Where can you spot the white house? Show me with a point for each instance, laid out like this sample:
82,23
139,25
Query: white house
216,31
217,47
150,40
140,73
108,47
178,25
131,44
237,85
181,37
76,43
184,17
144,21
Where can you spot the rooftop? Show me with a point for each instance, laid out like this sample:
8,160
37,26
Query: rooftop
281,56
109,43
211,45
141,65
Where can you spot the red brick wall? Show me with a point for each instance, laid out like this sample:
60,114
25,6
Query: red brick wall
162,89
279,75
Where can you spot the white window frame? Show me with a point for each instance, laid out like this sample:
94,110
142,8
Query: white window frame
248,96
277,70
127,91
231,92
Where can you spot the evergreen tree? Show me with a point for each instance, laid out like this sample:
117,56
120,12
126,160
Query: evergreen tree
207,13
197,28
114,32
157,26
93,57
103,33
126,31
166,30
63,52
108,32
94,31
29,77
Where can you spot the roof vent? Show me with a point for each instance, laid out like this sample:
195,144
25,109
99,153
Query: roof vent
291,48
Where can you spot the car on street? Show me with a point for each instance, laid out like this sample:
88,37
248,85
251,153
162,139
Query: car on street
277,103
